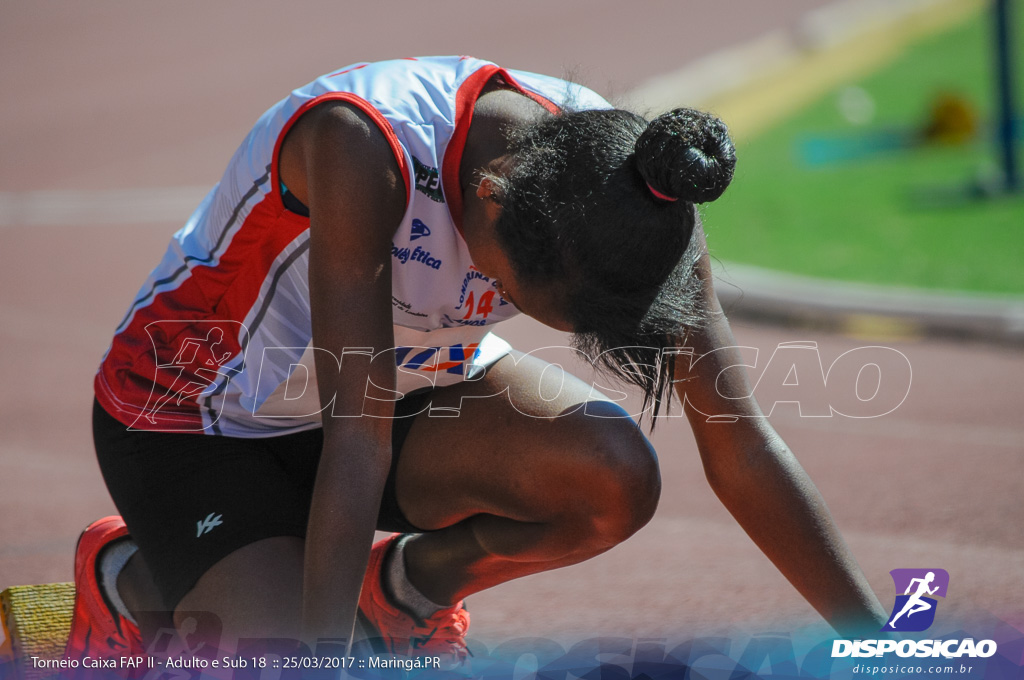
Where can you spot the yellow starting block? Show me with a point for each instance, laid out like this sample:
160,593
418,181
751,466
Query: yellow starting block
36,622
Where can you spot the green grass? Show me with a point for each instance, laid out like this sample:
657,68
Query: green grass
859,220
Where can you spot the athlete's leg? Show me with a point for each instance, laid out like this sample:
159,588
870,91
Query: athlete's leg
904,610
254,592
517,484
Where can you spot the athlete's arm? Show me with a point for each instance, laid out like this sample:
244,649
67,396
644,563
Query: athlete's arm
356,197
760,482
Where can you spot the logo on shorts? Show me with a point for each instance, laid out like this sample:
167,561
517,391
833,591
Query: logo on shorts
419,230
205,526
914,610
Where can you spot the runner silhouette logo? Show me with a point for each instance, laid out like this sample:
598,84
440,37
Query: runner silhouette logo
914,610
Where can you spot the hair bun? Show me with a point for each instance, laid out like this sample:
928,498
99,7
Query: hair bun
686,154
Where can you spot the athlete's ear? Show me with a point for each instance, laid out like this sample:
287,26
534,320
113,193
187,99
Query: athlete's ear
486,188
486,191
497,167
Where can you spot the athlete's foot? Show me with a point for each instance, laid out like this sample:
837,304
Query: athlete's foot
441,634
97,630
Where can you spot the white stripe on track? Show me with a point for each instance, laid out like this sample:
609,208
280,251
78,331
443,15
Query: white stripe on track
116,206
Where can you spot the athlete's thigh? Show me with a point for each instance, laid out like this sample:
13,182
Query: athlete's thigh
516,444
255,591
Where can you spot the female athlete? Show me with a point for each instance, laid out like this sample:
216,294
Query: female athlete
277,390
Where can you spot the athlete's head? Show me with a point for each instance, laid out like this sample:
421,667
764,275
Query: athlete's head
599,207
930,576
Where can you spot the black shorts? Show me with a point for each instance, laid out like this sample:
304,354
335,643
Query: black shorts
190,500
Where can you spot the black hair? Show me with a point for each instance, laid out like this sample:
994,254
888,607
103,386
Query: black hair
603,203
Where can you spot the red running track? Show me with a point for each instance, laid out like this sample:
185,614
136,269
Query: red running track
107,95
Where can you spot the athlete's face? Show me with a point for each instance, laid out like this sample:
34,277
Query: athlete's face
543,303
539,302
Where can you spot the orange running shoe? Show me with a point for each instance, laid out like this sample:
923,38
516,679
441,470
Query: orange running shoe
97,630
443,634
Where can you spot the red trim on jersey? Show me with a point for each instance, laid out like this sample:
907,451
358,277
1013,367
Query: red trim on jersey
139,368
543,101
364,106
465,102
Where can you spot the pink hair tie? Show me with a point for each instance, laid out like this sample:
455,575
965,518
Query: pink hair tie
658,194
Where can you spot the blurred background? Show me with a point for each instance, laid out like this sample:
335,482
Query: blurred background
868,209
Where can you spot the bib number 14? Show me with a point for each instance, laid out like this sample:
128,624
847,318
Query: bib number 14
483,308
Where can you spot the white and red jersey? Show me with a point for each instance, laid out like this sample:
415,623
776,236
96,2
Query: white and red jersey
219,338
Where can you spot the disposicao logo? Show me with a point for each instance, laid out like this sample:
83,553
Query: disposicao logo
914,610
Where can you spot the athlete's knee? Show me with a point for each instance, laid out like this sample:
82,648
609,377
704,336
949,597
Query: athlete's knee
619,479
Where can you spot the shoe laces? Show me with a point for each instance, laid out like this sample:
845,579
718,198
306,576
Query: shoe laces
447,626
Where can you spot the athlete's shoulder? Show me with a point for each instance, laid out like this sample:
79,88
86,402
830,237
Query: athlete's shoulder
398,76
564,93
